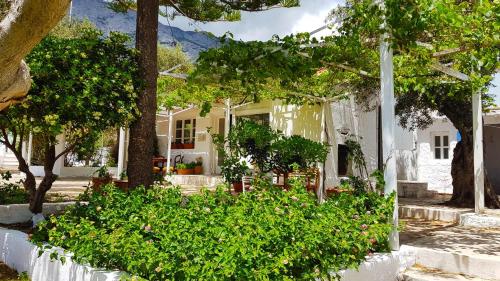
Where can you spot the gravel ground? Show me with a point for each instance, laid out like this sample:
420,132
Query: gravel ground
7,274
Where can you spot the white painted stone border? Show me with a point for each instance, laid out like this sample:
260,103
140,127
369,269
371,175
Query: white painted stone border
20,254
20,213
381,267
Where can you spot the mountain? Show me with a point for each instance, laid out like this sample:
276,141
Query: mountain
107,20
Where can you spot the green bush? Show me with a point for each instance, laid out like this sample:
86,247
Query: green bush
269,234
11,193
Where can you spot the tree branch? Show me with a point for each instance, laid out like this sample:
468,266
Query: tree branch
66,150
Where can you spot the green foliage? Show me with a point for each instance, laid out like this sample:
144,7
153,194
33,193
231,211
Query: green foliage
213,10
233,169
249,139
103,172
301,69
182,166
72,29
269,234
11,193
296,152
81,87
268,149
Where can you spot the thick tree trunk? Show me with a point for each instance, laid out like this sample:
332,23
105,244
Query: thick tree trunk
142,131
24,26
462,172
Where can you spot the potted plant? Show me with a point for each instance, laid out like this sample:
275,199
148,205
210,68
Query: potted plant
233,170
122,182
198,168
103,177
185,169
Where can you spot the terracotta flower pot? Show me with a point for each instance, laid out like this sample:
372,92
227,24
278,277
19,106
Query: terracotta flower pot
198,170
98,182
121,184
185,171
334,191
188,145
238,187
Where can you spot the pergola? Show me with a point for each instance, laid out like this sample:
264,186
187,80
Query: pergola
388,125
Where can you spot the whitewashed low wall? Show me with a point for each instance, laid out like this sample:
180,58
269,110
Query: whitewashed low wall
19,213
20,254
71,171
381,267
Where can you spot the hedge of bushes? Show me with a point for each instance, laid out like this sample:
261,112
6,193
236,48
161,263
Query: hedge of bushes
268,234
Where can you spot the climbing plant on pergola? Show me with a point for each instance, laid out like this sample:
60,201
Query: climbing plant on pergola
444,52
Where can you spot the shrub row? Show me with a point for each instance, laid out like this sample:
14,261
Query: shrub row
268,234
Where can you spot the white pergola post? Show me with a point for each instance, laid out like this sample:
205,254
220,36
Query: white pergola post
169,144
477,127
24,149
388,122
30,149
121,153
321,166
227,120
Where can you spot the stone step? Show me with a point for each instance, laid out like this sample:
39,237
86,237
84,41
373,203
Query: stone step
468,264
480,220
419,273
432,213
462,250
195,180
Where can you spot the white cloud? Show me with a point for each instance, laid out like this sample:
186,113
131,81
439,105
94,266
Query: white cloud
263,25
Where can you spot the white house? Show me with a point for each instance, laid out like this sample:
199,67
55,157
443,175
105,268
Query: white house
423,156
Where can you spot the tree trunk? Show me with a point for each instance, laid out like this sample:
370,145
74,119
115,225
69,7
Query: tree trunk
142,130
462,172
36,201
24,26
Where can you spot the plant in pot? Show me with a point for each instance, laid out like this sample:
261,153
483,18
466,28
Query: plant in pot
185,169
298,155
198,168
233,169
102,177
122,182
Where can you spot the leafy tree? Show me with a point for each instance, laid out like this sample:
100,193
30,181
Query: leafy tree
167,94
81,87
142,130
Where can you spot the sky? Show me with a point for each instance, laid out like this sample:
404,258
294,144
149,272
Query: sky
263,25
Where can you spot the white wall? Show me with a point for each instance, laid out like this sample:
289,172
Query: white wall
437,172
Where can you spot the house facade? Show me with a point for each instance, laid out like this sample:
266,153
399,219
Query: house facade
423,156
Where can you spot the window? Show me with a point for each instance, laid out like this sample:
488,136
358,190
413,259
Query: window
185,131
441,147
